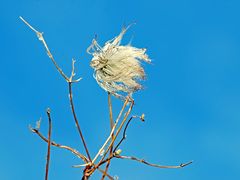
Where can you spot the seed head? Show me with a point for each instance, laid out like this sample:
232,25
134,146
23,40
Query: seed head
117,68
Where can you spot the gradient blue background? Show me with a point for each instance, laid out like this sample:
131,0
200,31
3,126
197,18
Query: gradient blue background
191,99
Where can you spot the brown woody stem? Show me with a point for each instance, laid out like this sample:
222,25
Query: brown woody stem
49,143
76,120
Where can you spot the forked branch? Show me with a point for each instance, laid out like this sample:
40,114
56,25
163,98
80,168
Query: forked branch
68,79
41,38
125,130
72,150
116,155
112,132
119,128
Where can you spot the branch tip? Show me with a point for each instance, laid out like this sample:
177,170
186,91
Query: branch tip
48,110
186,164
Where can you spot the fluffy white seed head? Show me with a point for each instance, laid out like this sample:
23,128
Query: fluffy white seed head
117,68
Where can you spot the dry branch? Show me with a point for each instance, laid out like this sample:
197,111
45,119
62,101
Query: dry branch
69,80
75,152
112,132
49,143
125,130
90,165
154,165
72,150
111,126
40,37
76,120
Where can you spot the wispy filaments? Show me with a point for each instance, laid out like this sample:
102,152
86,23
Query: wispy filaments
117,68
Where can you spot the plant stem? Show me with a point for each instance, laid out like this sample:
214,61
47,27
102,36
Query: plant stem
111,126
76,120
49,143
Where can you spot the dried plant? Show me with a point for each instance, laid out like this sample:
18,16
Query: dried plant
117,69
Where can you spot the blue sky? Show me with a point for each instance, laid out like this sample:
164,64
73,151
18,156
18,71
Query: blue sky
191,97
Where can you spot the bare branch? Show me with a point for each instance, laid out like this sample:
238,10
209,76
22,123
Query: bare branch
111,125
41,38
110,110
125,130
120,127
28,25
108,139
73,73
105,173
154,165
118,131
112,132
79,155
72,150
49,143
76,119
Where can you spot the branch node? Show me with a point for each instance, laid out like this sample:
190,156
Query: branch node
48,111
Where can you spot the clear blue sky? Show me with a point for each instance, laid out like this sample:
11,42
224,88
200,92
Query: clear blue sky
191,99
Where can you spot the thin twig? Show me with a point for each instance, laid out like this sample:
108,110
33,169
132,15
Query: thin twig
40,37
79,155
76,120
113,151
112,132
105,173
104,161
137,159
70,79
120,127
73,109
125,130
49,143
87,169
111,126
72,150
118,131
110,110
154,165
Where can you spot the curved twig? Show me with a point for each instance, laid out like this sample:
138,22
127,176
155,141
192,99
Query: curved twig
125,130
154,165
40,37
79,155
